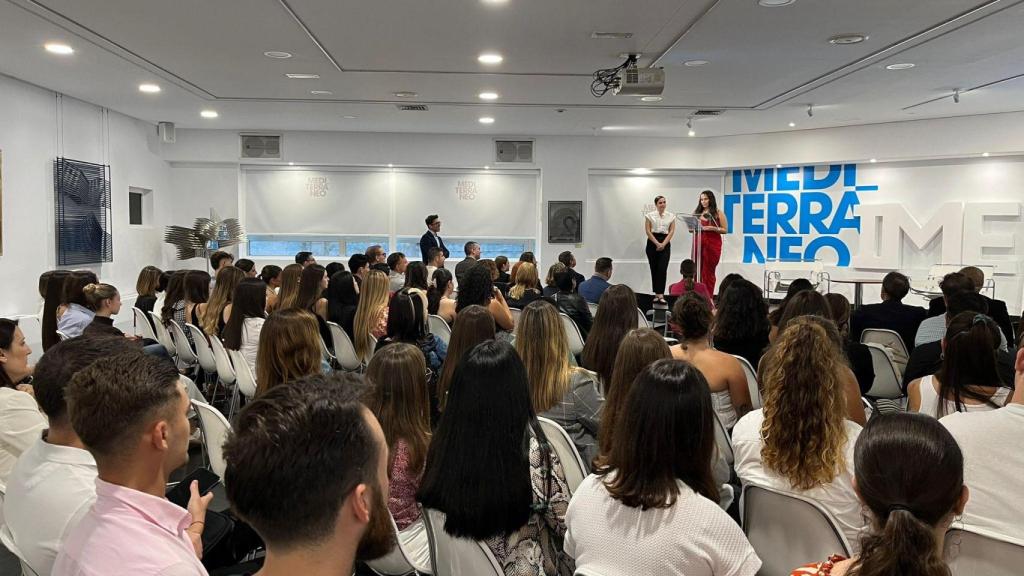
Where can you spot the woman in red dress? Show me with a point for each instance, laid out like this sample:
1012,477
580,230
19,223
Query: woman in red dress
713,225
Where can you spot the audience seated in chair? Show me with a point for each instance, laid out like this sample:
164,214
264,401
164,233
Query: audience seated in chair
616,316
407,322
146,287
910,480
53,304
371,320
472,250
650,507
53,483
359,266
572,304
932,329
524,257
996,308
289,349
78,314
688,269
213,314
526,287
550,287
439,295
473,326
398,396
989,441
558,391
857,353
501,262
691,319
569,260
592,289
477,288
801,440
639,348
795,287
891,313
397,263
307,467
312,286
271,276
968,379
435,259
416,277
105,301
20,419
741,321
343,301
131,413
289,292
515,502
245,323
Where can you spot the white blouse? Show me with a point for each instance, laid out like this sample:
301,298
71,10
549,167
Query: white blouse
660,223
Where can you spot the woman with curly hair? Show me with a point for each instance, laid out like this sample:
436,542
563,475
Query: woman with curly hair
741,322
801,441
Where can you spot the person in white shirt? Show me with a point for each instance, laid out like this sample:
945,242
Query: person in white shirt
54,482
801,440
20,419
650,508
660,226
397,263
242,331
992,455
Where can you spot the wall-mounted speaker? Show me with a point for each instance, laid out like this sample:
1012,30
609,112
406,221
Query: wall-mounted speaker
166,130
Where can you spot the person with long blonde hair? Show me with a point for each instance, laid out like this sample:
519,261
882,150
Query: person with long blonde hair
564,393
289,349
801,440
371,319
399,398
214,313
639,348
289,292
526,287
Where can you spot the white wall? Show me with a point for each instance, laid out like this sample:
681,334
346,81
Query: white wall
36,126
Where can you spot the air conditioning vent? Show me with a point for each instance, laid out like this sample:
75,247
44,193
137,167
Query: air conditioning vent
260,146
708,112
412,107
514,151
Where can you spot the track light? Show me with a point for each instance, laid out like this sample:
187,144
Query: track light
689,126
956,96
810,110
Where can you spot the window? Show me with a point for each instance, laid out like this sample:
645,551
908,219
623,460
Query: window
286,246
140,206
490,248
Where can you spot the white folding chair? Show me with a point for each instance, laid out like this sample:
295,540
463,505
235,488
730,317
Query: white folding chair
787,529
398,562
593,308
203,351
162,335
215,428
344,350
641,320
453,556
143,325
887,379
187,357
752,387
193,391
891,341
572,463
244,379
516,313
61,336
971,554
722,442
225,373
440,328
7,539
326,352
572,332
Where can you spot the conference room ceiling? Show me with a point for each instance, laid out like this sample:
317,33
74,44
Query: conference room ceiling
765,66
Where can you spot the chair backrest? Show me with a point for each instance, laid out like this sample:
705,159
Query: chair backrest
225,371
440,328
892,341
203,351
244,379
183,350
786,529
561,443
398,562
751,374
215,428
61,336
642,321
162,335
887,378
326,352
970,554
722,441
344,350
191,389
593,308
453,556
516,313
572,332
143,325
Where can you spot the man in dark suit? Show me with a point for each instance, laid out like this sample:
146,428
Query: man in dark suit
891,313
570,262
996,308
431,239
472,250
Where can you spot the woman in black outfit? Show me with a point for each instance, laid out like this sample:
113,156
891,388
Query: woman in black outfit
741,321
342,300
660,226
147,285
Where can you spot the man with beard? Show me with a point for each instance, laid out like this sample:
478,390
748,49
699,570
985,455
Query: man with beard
307,468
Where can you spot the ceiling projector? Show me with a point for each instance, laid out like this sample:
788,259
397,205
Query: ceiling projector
627,79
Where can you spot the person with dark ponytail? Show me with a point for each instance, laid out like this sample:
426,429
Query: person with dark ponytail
910,478
53,298
79,314
439,295
968,380
688,268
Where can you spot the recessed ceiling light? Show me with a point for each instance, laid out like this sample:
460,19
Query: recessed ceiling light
778,165
391,165
490,58
486,120
695,63
349,117
488,95
404,94
650,99
848,39
487,167
277,54
58,48
614,128
209,114
303,76
775,3
873,160
640,171
611,35
321,92
792,124
900,66
985,154
291,163
149,88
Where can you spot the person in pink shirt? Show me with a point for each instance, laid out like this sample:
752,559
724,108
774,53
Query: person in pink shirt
307,468
688,268
131,412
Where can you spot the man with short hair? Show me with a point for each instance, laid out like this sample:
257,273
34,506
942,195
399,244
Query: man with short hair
53,483
996,308
305,258
934,328
435,260
359,266
430,238
569,260
592,289
472,250
375,254
220,260
331,507
891,313
131,413
397,262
